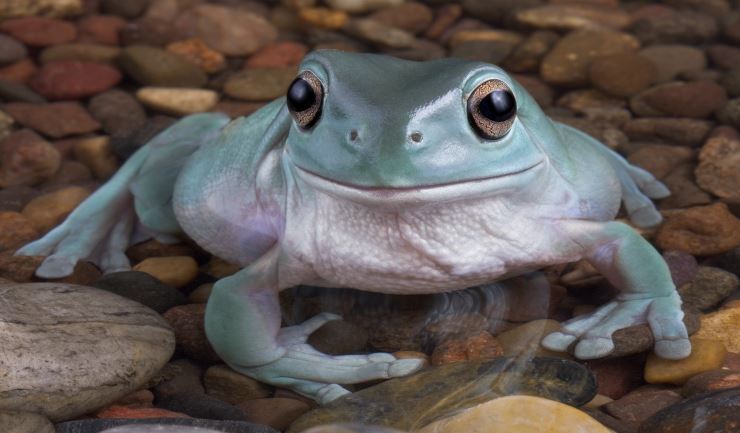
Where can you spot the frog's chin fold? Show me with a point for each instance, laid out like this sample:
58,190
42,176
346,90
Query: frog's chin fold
421,195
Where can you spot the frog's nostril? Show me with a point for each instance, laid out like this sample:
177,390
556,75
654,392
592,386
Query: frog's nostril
416,137
354,135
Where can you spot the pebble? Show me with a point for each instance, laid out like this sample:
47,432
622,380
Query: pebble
709,287
177,101
57,119
62,80
683,266
6,124
25,422
339,338
444,16
195,426
179,376
698,99
88,349
524,340
498,12
678,27
48,210
526,56
125,144
484,51
176,271
17,92
717,170
568,62
672,60
19,268
118,112
707,413
359,6
152,66
642,403
714,380
260,84
701,230
622,74
143,288
201,294
80,52
417,400
724,56
705,355
324,18
124,8
11,50
230,31
684,191
197,52
277,55
661,159
96,154
616,377
153,248
722,325
351,428
26,159
639,338
19,72
117,412
688,132
39,31
379,34
731,82
518,413
278,413
475,347
573,17
187,322
202,406
413,17
730,113
225,384
101,29
15,231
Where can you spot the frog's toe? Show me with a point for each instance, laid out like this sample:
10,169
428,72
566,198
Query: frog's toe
558,341
56,266
329,393
666,322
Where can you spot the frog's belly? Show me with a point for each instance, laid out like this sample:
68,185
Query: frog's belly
424,250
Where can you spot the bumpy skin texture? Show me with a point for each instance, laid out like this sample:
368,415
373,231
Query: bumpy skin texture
390,190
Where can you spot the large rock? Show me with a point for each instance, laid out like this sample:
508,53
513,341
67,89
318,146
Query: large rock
68,350
717,171
414,401
707,413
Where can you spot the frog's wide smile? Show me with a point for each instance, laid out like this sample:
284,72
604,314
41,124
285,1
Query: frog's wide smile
417,194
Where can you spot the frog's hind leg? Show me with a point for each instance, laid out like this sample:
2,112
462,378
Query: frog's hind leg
139,194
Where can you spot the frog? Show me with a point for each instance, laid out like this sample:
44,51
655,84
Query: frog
382,175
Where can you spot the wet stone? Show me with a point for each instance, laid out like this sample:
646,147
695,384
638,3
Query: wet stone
701,230
622,74
74,80
709,287
202,406
118,112
58,119
80,52
27,159
672,60
681,27
39,31
573,17
706,413
697,99
11,50
717,171
143,288
99,425
404,403
177,101
156,67
714,380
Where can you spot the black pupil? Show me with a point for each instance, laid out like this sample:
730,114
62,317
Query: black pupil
300,95
498,105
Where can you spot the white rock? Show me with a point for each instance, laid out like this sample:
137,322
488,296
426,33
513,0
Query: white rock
66,350
177,101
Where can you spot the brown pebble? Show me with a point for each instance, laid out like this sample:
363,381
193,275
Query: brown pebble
622,74
480,346
15,231
701,230
46,211
176,271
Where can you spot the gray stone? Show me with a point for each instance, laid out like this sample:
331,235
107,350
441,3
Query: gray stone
672,60
680,27
730,113
156,67
709,287
202,406
143,288
11,50
24,422
17,92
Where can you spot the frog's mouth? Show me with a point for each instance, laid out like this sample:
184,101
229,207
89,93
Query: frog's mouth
424,193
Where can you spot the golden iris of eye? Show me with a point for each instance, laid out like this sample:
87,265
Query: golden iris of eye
304,99
492,109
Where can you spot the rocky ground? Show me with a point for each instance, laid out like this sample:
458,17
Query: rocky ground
83,84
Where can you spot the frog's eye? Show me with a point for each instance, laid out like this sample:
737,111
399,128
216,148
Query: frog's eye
304,99
492,109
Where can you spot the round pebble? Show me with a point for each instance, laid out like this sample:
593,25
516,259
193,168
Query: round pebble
48,210
705,355
701,230
141,287
39,31
177,101
152,66
175,271
622,74
11,50
74,80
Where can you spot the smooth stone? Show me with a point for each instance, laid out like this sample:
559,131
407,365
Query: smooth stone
707,413
19,72
225,384
377,33
700,230
639,338
100,425
689,132
46,211
622,74
717,171
96,154
359,6
498,12
724,56
677,27
152,66
6,124
177,101
80,52
520,414
661,159
275,412
15,231
730,113
153,248
708,288
176,377
404,403
277,55
444,16
101,29
51,8
187,322
617,376
27,159
154,428
202,406
118,112
88,349
13,198
724,326
339,337
476,347
11,50
57,119
228,30
118,411
685,192
199,53
124,8
21,269
330,19
683,266
25,422
698,99
642,403
412,17
524,340
176,271
201,294
126,143
39,31
260,84
568,62
17,92
705,355
673,60
143,288
484,51
731,82
709,381
573,17
526,56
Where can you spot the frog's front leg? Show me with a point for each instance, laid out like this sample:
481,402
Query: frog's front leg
648,293
243,324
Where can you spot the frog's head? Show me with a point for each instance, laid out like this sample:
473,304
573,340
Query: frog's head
377,128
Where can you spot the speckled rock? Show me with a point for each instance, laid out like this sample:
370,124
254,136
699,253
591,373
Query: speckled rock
187,322
152,66
717,171
622,74
89,348
700,230
518,413
177,101
684,191
143,288
706,413
642,403
714,380
673,60
526,56
277,55
705,355
117,111
639,338
474,347
260,84
46,211
698,99
573,17
96,154
73,80
661,159
199,53
15,231
58,119
178,376
175,271
324,18
689,132
117,411
722,325
26,159
39,31
708,288
683,266
377,33
25,422
569,60
225,384
80,52
404,403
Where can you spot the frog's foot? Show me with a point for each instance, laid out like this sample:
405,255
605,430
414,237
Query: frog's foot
318,375
594,331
